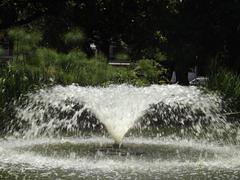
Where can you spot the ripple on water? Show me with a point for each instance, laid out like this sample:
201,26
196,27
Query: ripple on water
139,157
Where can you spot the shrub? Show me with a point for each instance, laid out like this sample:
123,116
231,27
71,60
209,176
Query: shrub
150,72
74,37
45,57
121,75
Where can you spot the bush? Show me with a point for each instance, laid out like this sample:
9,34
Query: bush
150,72
121,75
74,37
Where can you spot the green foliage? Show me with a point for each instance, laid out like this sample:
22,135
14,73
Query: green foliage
1,51
24,42
160,37
74,37
154,53
121,75
148,71
2,89
160,57
208,26
45,57
122,57
18,80
227,82
100,57
43,66
66,62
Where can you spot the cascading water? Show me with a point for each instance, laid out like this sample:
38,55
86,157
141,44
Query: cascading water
65,130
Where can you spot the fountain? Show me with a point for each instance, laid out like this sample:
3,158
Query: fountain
167,131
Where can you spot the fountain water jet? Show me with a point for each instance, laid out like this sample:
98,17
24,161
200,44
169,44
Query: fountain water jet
55,135
117,107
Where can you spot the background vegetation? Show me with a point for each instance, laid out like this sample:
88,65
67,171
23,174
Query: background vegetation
189,32
49,46
34,66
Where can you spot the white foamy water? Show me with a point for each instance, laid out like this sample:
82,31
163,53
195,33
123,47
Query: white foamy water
118,107
37,148
183,157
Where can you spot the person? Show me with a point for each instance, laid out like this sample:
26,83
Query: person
93,47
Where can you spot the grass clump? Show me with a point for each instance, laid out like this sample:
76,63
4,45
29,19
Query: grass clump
226,82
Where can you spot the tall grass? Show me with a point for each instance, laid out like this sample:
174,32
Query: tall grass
228,84
25,43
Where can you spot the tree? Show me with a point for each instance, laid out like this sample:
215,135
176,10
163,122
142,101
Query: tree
183,29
